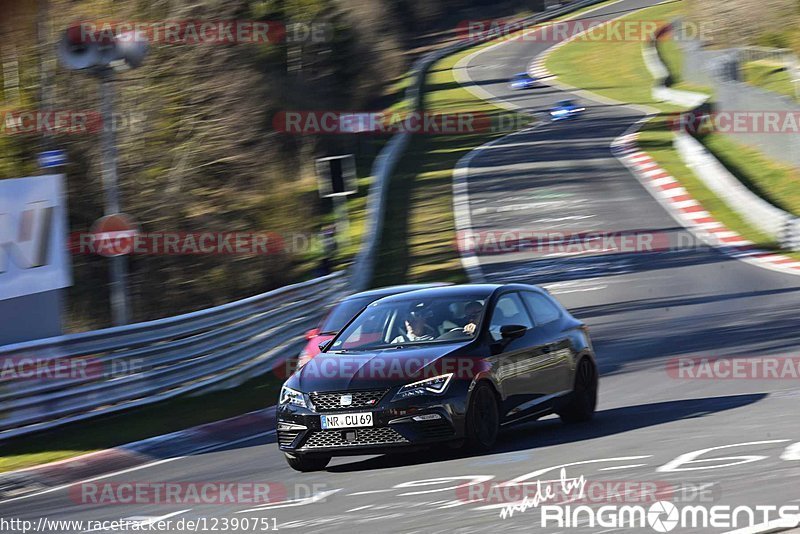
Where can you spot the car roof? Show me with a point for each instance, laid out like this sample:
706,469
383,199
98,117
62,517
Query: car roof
454,291
393,290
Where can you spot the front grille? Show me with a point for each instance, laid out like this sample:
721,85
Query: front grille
286,437
364,436
331,401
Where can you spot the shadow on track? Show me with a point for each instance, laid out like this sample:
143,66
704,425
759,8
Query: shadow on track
550,432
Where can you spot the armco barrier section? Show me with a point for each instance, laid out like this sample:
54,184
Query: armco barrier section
143,363
771,220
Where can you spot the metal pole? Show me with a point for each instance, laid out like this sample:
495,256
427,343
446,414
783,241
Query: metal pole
342,220
119,267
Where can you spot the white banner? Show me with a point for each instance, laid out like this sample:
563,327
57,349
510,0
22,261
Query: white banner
33,236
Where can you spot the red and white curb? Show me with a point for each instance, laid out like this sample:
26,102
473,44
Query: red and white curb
690,213
667,190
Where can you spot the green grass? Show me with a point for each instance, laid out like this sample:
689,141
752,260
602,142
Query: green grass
769,76
616,70
133,425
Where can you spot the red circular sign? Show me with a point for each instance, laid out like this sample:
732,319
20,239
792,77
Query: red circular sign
114,235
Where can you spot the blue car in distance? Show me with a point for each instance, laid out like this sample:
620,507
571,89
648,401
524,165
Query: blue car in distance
565,109
522,80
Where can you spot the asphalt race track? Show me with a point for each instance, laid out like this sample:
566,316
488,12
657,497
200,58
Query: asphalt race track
644,310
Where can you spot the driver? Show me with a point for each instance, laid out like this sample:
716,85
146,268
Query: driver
416,329
472,313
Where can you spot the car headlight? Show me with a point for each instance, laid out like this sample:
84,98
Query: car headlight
291,396
429,386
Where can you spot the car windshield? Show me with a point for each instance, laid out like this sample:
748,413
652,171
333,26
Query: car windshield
342,313
401,323
521,76
565,103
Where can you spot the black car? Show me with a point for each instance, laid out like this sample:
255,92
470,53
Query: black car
446,364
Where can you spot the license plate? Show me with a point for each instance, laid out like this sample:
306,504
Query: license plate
346,420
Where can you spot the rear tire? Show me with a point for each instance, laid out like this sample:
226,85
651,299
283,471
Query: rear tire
307,464
482,421
583,399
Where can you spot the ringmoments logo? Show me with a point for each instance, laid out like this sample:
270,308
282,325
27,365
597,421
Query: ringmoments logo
564,503
664,516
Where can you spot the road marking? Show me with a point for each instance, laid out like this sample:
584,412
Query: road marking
137,468
618,467
471,480
792,452
368,492
357,508
776,525
689,457
292,503
143,520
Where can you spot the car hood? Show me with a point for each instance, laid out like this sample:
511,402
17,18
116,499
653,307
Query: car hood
374,369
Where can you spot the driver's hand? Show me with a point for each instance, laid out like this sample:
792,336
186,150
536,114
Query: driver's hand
469,328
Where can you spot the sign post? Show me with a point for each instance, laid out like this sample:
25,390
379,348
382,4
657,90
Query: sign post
101,55
336,176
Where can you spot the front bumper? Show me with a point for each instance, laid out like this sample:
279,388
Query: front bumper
394,427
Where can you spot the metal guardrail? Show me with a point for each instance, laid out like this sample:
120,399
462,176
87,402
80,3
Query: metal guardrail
758,212
123,367
785,57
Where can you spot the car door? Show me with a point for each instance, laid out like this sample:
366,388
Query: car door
518,363
556,348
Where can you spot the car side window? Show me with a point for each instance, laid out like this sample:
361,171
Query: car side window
543,309
508,310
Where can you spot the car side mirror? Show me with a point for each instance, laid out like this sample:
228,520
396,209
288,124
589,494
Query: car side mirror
324,345
508,333
512,331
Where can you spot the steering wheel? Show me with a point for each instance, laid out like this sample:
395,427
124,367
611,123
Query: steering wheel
455,333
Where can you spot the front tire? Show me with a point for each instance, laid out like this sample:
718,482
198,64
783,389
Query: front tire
583,399
307,464
483,420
